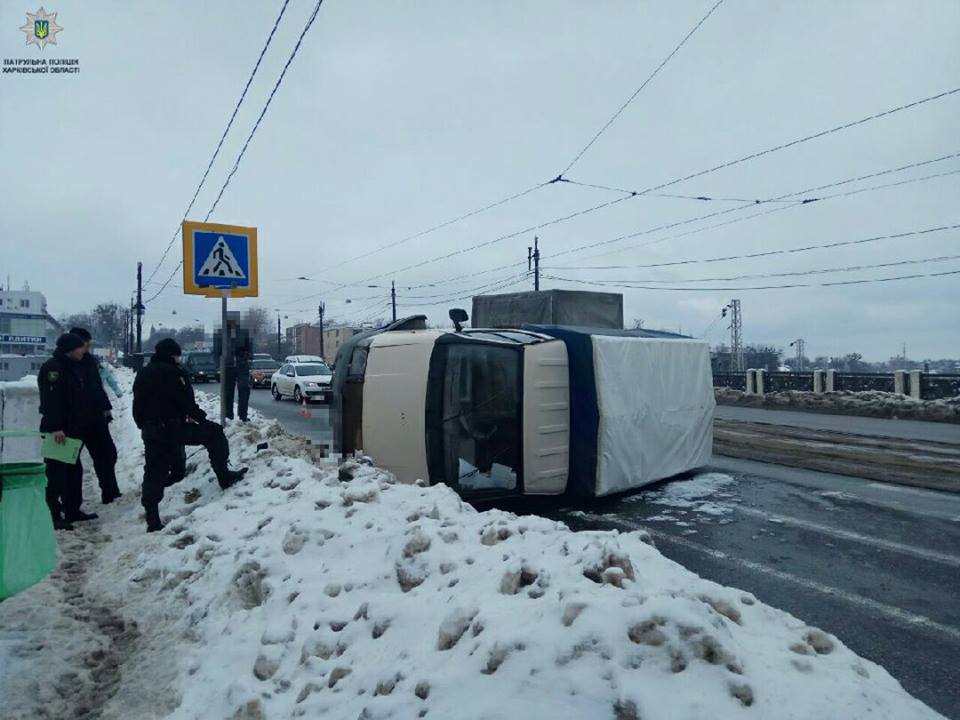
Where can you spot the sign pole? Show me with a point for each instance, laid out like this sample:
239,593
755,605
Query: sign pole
224,348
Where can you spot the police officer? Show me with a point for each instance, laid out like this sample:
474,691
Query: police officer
66,412
96,438
168,417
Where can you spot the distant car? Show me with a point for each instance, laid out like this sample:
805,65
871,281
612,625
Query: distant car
202,366
302,381
262,356
261,372
304,359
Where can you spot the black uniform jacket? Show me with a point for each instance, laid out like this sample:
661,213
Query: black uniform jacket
163,394
65,403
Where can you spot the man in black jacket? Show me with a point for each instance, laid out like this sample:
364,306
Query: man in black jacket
96,438
65,412
168,417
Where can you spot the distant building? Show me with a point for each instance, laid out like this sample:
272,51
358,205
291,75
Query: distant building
304,339
27,332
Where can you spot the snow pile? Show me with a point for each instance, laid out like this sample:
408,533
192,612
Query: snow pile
699,494
871,403
312,590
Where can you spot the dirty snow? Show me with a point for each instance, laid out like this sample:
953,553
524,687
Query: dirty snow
871,403
316,591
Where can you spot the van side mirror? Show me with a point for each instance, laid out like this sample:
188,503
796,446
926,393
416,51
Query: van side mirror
459,316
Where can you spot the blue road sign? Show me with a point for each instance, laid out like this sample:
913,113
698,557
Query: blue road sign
219,257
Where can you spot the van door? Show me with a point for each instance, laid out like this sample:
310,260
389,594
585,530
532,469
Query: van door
546,418
352,401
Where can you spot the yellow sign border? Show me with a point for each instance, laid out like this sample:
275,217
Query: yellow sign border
190,287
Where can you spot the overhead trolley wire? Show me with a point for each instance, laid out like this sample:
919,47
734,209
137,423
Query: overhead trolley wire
223,137
654,188
646,82
246,144
795,273
766,287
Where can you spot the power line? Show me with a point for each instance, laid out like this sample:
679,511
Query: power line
447,223
702,198
256,125
223,137
263,112
730,163
782,251
580,248
640,89
795,273
727,211
769,287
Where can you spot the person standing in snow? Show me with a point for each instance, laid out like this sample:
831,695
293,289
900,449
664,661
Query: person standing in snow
96,438
168,416
66,411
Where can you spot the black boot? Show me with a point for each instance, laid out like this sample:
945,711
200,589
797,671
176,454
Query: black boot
231,477
61,524
79,516
153,519
108,497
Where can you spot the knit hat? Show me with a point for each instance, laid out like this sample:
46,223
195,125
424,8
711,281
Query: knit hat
81,333
168,347
68,342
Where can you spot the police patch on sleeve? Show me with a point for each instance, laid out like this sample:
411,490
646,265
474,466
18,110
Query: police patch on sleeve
53,375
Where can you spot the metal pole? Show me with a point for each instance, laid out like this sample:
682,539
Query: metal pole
393,299
279,350
139,306
536,264
320,309
224,347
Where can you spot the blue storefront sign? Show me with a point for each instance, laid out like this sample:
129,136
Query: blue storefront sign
24,339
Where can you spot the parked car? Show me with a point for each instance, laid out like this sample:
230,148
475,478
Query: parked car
263,356
202,366
543,410
302,381
261,372
304,359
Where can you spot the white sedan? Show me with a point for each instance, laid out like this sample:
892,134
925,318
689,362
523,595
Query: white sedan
302,381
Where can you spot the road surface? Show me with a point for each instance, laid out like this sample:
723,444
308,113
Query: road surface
901,429
876,564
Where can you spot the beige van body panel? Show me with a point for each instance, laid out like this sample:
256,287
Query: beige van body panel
546,418
394,402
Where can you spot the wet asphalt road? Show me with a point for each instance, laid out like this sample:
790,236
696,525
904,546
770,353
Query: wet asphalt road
877,565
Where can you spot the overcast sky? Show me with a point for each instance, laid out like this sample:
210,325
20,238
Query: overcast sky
396,116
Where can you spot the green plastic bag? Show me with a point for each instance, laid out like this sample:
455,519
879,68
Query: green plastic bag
28,545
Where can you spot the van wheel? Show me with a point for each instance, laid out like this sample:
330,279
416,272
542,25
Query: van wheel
276,393
297,395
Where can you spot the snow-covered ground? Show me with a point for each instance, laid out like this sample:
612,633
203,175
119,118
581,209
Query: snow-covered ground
316,591
871,403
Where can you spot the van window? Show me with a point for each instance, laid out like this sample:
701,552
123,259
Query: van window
358,362
481,417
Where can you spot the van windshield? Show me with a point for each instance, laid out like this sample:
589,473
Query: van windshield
481,417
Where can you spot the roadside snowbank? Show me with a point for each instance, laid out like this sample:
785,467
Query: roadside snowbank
867,404
316,591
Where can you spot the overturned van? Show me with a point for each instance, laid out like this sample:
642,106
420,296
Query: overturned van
542,410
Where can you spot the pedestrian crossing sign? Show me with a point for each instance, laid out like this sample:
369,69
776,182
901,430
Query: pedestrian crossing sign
219,258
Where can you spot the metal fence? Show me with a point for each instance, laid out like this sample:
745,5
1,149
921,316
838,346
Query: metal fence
932,387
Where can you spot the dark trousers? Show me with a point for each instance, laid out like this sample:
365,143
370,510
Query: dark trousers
242,381
64,488
163,450
103,452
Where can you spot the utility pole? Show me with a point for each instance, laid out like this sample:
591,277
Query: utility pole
140,307
801,346
736,336
279,350
320,310
533,259
393,299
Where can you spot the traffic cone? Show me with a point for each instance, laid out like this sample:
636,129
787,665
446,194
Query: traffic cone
303,409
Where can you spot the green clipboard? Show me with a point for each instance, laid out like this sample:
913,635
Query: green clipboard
50,449
67,453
